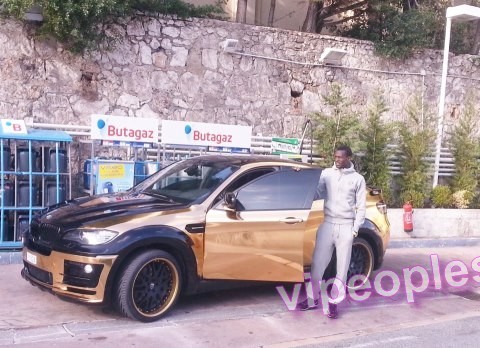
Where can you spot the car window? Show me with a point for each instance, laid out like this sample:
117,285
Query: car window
244,179
248,177
280,190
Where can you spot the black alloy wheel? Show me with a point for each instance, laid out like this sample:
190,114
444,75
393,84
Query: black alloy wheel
361,262
148,286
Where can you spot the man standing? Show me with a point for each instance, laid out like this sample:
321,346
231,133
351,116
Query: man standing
344,208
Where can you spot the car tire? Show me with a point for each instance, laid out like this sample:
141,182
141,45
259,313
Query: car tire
148,286
362,261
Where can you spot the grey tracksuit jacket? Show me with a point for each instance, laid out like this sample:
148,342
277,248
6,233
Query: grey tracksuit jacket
344,194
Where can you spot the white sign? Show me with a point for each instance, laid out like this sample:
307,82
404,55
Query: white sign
13,126
119,128
206,134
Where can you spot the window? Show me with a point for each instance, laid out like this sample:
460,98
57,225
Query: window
280,190
244,179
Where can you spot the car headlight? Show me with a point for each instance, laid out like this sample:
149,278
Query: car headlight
90,236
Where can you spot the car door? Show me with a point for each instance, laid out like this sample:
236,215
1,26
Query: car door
262,237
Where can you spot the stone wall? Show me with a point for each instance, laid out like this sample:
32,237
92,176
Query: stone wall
175,69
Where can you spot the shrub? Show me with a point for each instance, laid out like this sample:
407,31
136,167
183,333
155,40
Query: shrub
339,125
475,203
375,136
416,198
462,199
442,196
77,23
464,145
415,138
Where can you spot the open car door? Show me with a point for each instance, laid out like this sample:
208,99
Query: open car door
259,233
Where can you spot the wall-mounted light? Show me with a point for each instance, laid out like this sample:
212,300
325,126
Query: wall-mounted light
230,46
332,56
34,14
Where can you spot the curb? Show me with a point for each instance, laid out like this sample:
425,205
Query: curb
433,242
10,257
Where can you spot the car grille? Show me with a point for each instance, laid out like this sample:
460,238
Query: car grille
46,233
42,236
38,274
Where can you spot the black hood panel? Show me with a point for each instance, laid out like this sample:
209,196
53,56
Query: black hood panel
93,209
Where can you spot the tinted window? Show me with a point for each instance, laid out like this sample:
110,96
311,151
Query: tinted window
282,190
244,179
248,177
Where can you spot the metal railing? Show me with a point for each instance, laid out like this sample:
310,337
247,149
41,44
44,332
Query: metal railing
260,145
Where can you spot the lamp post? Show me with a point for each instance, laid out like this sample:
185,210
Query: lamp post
459,13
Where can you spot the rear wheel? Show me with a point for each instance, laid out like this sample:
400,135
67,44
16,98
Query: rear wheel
148,286
361,262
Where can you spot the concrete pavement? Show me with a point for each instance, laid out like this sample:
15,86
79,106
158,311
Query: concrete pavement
247,317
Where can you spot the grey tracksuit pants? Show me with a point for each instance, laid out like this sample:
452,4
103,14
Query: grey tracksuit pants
330,236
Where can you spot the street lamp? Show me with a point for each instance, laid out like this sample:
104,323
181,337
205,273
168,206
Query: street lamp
459,13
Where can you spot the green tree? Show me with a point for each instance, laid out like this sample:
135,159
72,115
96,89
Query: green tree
395,28
464,146
77,23
416,136
398,28
339,126
178,7
375,136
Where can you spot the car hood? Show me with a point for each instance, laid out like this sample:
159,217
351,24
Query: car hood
95,209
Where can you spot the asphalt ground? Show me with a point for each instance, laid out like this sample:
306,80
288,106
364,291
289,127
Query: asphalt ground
249,317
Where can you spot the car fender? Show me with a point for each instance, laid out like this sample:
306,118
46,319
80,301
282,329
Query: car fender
166,238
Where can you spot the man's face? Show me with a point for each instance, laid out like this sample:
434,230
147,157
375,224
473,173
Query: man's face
341,159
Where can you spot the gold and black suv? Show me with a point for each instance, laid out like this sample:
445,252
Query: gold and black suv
201,219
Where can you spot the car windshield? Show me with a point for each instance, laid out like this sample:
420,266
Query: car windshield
187,181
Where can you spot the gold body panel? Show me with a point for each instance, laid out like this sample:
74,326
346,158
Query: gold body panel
54,264
254,245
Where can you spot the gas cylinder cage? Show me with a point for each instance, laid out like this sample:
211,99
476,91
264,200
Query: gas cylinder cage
35,172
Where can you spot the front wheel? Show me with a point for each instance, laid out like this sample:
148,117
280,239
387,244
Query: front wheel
148,286
361,262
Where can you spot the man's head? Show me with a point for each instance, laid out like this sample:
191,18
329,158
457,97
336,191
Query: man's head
343,155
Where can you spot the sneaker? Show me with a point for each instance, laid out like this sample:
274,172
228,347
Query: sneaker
332,311
305,305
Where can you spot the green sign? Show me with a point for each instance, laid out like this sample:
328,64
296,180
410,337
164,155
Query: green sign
285,145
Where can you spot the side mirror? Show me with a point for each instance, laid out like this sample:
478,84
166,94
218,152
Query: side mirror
230,201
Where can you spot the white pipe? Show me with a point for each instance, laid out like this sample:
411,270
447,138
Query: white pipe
58,126
441,106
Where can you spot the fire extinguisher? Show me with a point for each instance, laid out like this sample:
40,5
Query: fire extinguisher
407,217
